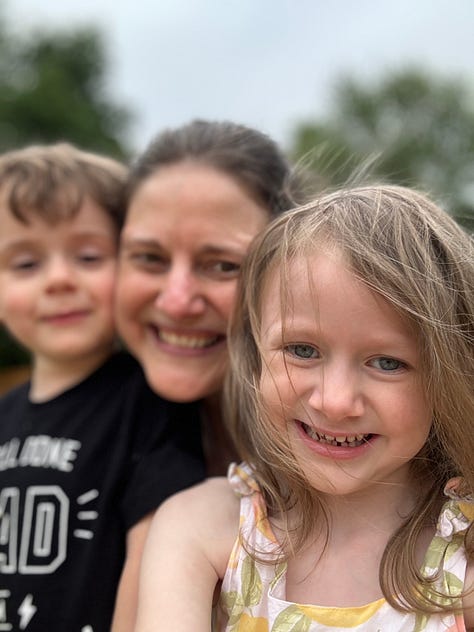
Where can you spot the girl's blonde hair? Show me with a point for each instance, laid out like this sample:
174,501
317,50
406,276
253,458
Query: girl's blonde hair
413,254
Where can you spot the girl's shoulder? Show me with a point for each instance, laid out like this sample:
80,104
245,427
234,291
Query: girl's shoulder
212,502
205,515
186,553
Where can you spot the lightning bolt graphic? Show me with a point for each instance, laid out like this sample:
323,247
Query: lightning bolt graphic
26,611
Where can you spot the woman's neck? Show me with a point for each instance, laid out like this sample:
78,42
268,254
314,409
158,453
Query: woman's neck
219,451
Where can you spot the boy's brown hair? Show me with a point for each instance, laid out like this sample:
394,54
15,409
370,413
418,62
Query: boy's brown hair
51,182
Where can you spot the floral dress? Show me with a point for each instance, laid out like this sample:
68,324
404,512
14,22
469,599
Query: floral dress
253,593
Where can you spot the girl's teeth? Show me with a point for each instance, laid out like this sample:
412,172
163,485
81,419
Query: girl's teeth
340,440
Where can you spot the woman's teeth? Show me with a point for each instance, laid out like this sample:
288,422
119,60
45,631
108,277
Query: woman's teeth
351,441
190,342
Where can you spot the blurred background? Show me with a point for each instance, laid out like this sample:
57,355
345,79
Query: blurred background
337,83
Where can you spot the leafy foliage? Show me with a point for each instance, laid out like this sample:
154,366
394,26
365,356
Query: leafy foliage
413,129
52,87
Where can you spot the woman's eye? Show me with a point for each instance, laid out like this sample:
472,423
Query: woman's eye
302,351
228,266
225,268
147,259
388,364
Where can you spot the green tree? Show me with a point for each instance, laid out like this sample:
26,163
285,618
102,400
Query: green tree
416,129
53,87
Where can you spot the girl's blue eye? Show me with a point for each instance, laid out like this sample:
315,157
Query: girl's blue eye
388,364
302,351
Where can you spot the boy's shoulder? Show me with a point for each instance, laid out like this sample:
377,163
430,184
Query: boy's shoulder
119,378
118,373
11,398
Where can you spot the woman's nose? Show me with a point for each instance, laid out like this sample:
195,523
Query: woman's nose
180,295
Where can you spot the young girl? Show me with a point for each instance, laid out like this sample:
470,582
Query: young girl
352,403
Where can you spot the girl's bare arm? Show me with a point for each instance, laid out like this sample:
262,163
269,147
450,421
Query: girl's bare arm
185,556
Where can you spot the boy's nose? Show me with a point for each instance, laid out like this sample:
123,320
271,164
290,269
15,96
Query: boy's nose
59,274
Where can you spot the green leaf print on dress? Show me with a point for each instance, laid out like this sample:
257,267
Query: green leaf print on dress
291,620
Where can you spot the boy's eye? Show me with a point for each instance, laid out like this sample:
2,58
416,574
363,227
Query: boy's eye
388,364
90,257
302,351
24,264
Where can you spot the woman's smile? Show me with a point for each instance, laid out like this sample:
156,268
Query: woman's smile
176,340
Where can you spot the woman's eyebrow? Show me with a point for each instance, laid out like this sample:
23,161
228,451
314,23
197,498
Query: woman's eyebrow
127,240
212,249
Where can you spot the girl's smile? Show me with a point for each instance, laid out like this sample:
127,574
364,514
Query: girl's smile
335,446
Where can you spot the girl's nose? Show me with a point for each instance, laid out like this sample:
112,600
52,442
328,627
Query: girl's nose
337,394
180,295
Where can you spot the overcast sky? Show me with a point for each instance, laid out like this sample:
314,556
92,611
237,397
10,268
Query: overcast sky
266,63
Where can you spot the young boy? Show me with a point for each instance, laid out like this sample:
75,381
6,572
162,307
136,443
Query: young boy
87,450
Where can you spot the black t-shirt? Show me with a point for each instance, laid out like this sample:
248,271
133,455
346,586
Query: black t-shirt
76,473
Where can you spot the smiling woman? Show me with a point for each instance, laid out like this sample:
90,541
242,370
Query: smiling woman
197,197
179,269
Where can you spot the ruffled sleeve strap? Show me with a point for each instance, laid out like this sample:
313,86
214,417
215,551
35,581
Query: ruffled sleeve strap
445,559
241,480
255,525
458,512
